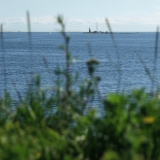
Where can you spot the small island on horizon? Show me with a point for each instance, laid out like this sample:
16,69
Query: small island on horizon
95,32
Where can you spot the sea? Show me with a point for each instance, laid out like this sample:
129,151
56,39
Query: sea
127,60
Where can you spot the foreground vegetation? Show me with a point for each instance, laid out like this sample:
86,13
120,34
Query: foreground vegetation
56,123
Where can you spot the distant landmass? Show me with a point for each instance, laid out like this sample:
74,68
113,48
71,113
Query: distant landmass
95,32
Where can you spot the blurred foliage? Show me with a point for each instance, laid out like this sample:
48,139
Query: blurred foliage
61,126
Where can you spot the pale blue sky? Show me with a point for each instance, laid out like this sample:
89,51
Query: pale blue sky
124,15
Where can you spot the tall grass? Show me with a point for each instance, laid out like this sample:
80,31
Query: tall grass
3,59
118,65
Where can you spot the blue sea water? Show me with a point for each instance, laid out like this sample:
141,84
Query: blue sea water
19,54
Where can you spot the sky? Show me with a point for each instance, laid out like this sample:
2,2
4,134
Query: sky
79,15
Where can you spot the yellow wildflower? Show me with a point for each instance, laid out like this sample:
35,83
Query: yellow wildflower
148,120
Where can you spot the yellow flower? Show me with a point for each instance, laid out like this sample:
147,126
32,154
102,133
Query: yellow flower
148,120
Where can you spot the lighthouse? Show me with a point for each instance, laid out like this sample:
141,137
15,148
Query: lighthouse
89,30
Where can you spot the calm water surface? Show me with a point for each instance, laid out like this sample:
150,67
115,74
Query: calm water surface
17,51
